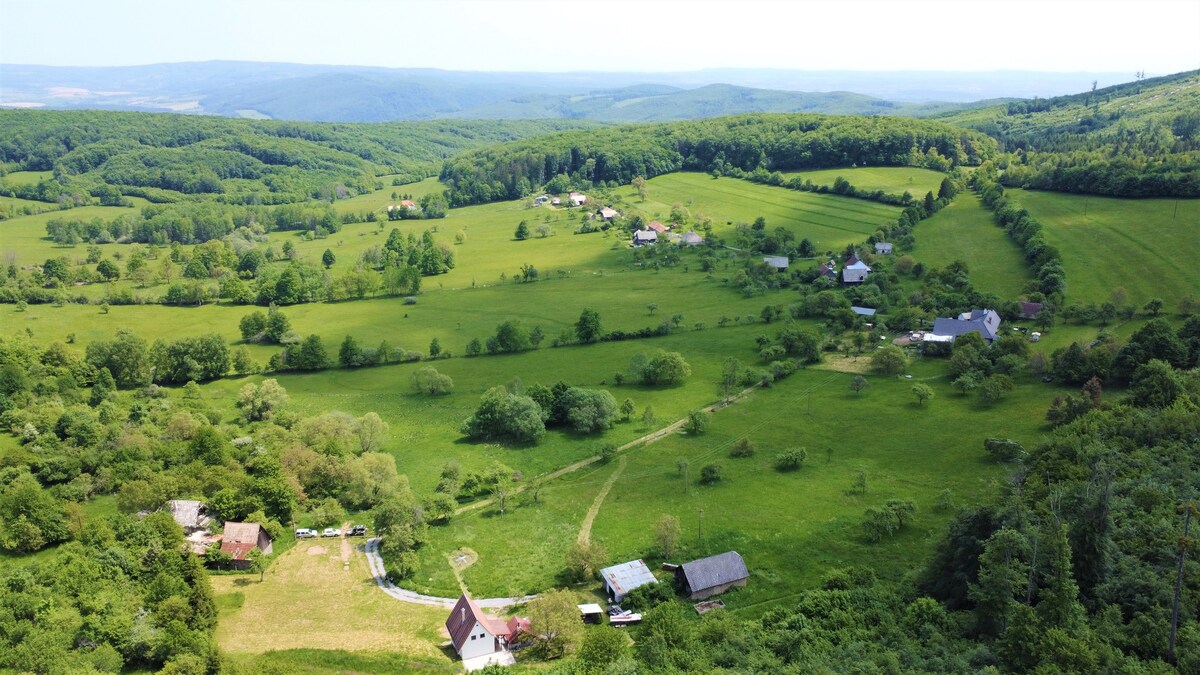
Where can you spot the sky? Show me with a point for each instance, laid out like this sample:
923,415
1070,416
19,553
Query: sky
1154,36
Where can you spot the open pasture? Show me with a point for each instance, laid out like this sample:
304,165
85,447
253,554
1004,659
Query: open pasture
891,179
965,231
1140,245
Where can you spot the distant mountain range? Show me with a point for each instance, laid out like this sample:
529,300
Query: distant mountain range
368,94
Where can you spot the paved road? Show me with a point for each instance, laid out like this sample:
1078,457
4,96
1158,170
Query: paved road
375,562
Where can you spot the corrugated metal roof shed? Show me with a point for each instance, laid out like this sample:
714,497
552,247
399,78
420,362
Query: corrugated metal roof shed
620,579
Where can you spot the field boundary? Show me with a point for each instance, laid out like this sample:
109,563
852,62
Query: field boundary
585,531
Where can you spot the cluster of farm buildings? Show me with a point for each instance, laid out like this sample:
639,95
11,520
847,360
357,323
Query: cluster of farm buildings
235,539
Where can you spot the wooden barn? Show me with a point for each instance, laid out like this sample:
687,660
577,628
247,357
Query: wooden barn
713,575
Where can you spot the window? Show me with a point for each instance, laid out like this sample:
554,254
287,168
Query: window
474,636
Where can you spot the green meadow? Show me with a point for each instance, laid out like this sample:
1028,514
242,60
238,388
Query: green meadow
891,179
1141,245
965,231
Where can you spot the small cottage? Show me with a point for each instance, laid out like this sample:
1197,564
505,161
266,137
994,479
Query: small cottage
577,199
779,262
241,538
883,248
620,579
657,227
191,515
606,214
690,238
409,204
827,270
645,237
473,633
713,575
591,613
986,322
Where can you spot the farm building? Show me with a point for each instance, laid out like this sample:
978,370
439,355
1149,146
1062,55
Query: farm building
409,204
657,227
690,238
606,214
241,538
827,270
1029,310
577,199
591,613
555,202
620,579
714,575
474,634
986,322
191,515
883,248
645,237
855,271
779,262
863,311
517,627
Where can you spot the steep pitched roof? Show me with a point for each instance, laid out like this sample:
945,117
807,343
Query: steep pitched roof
691,237
237,549
716,570
463,618
627,576
516,626
986,322
189,513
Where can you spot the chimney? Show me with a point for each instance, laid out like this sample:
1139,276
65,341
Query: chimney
462,611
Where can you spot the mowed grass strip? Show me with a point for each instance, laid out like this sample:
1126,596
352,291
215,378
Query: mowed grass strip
891,179
965,231
309,599
1141,245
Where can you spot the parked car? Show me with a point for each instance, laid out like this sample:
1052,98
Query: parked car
357,531
331,532
305,533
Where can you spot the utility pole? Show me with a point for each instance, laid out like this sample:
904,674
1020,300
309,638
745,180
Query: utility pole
1188,509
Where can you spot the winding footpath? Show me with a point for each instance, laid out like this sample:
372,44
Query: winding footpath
375,562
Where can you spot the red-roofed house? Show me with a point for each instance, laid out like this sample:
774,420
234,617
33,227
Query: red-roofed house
409,204
657,227
473,633
241,538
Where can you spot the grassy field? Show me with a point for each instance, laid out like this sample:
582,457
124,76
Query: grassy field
318,596
965,231
829,221
26,177
891,179
1137,244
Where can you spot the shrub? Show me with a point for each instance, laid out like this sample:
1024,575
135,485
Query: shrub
1003,449
710,474
790,459
743,448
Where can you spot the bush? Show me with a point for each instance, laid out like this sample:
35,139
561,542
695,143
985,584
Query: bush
1003,449
710,474
647,597
743,448
790,459
427,380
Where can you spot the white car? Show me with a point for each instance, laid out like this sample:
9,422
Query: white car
331,532
305,533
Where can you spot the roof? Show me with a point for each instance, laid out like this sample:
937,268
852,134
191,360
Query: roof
779,262
863,311
716,570
607,213
883,247
463,618
408,203
237,549
645,235
627,576
516,626
241,533
189,513
590,608
857,265
986,322
657,226
1030,308
691,237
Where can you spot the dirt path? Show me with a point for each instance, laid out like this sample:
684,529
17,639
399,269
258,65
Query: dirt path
375,562
585,532
637,442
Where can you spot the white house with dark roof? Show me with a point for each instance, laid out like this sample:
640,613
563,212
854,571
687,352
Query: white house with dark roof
620,579
607,214
475,634
577,199
713,575
986,322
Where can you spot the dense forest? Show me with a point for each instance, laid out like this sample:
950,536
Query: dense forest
168,157
748,142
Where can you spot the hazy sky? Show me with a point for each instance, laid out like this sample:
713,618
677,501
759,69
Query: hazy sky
1157,36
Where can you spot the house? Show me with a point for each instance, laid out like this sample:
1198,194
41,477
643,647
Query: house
855,271
577,199
607,214
714,575
657,227
541,199
986,322
779,262
1029,310
645,237
828,270
518,626
475,634
883,248
620,579
863,311
555,202
591,613
241,538
409,204
191,515
690,238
